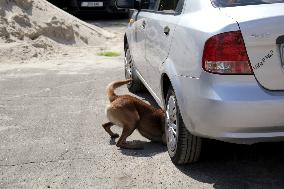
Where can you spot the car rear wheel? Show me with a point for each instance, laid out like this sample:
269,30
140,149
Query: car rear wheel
183,147
136,85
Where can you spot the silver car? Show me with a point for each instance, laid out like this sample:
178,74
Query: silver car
215,66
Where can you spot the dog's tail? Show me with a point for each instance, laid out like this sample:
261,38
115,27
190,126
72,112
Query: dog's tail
112,86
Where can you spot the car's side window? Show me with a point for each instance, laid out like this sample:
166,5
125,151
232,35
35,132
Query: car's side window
148,4
170,6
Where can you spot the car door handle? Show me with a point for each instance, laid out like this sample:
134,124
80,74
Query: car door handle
167,30
143,24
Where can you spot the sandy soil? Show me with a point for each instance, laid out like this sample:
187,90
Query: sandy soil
35,31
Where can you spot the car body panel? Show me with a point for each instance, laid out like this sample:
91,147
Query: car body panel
218,109
193,30
233,108
260,30
139,43
158,45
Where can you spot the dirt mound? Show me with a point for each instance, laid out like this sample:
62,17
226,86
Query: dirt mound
36,27
20,52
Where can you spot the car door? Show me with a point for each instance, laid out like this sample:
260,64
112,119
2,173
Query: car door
139,49
160,27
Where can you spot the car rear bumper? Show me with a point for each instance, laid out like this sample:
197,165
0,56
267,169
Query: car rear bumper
231,108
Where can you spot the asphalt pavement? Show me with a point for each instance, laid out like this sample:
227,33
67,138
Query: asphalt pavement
51,137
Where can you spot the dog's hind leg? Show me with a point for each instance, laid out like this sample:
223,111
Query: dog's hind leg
107,126
127,117
130,122
126,132
122,143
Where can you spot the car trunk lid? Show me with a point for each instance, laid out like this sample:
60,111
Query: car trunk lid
263,33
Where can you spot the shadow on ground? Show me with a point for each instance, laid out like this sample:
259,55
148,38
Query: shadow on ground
239,166
146,149
234,166
149,149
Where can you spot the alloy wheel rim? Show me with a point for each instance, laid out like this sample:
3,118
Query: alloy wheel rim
172,128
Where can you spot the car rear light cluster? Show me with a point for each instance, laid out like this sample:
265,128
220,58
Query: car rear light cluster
225,53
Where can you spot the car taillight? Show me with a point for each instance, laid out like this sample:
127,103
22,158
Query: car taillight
225,53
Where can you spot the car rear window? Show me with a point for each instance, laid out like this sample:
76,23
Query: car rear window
233,3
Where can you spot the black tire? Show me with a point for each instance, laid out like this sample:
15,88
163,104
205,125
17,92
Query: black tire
187,147
136,85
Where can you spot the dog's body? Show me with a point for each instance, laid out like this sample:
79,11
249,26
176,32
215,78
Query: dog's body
131,113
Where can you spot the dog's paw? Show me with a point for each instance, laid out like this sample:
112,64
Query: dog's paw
115,135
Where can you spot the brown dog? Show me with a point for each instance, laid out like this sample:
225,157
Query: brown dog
131,113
